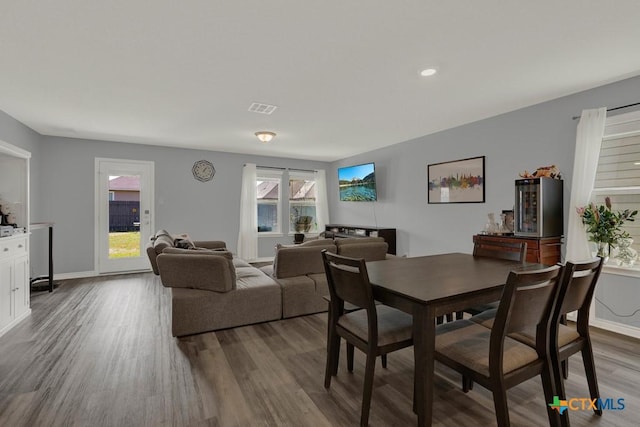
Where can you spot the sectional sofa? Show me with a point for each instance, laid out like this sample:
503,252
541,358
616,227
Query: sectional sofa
211,289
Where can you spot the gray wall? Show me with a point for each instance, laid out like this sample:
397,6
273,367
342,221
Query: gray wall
203,210
540,135
525,139
14,132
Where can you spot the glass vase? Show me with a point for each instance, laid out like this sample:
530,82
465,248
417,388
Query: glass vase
603,251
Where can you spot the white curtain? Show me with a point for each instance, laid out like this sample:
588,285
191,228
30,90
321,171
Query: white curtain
248,234
322,204
588,140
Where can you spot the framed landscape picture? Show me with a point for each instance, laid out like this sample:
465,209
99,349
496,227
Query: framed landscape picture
459,181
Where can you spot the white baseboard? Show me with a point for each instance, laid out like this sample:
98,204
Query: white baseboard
14,322
76,275
85,274
609,325
619,328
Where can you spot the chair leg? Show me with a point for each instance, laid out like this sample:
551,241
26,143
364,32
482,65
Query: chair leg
459,315
336,357
467,384
565,369
590,372
350,357
548,386
449,317
439,320
368,388
500,405
415,404
333,353
384,361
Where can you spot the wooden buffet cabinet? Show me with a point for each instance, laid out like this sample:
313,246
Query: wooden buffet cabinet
542,250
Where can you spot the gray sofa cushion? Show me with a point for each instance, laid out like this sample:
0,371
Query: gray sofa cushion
185,267
257,299
300,260
162,242
299,297
371,251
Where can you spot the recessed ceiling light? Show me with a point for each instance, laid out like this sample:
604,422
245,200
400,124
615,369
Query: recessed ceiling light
637,163
428,72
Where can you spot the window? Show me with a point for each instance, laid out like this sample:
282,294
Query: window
618,173
269,206
302,203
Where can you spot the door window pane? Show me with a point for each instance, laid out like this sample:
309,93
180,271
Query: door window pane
124,216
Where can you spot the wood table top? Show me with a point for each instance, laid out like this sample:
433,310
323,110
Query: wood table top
436,277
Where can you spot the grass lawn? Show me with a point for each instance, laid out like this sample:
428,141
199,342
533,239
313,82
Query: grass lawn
124,244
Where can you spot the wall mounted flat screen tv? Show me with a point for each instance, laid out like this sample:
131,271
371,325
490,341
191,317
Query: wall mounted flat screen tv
358,183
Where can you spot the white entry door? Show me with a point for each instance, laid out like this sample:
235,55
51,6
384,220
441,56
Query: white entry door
124,223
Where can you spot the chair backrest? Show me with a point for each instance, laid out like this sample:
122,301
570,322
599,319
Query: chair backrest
577,290
514,251
527,302
348,280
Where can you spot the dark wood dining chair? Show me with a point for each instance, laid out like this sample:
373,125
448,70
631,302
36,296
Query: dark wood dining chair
350,350
513,251
375,329
491,357
576,294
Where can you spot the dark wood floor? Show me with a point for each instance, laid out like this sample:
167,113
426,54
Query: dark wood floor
99,352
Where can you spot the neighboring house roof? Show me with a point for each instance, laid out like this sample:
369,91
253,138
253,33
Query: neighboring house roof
300,190
303,190
125,183
267,190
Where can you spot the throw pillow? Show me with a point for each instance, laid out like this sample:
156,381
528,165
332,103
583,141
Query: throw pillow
184,244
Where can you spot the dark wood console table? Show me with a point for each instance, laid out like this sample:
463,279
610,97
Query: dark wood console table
340,230
541,250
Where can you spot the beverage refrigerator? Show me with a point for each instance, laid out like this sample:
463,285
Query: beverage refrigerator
538,207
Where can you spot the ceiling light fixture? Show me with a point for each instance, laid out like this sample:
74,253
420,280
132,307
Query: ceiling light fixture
265,136
428,72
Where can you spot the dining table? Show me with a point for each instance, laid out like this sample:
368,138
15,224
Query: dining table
430,286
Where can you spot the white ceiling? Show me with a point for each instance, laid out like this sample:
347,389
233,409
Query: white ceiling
344,74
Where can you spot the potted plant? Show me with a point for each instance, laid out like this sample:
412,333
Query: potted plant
604,226
301,223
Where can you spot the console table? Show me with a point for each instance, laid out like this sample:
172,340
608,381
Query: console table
49,277
340,230
540,250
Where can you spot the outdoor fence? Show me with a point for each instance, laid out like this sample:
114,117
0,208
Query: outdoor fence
124,216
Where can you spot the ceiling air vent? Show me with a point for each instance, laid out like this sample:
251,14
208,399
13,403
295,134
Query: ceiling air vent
259,108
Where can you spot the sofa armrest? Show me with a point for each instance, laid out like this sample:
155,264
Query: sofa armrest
151,254
198,270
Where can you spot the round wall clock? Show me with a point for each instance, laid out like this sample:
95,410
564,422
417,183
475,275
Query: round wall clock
203,170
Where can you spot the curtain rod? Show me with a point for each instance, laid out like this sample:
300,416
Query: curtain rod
284,169
612,109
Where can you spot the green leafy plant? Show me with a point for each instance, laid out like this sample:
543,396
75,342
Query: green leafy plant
603,224
301,223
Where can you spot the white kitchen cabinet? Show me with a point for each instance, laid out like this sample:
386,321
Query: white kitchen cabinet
14,248
14,281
